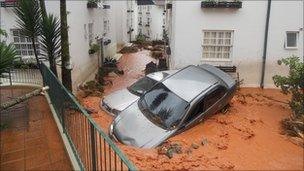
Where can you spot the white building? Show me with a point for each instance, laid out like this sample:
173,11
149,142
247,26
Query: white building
235,36
151,20
86,25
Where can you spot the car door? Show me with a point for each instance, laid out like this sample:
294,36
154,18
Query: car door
208,104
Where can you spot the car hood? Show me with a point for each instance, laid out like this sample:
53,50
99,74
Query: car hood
120,99
133,128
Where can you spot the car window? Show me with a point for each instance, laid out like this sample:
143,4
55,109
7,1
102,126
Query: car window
142,85
163,107
213,97
206,102
197,110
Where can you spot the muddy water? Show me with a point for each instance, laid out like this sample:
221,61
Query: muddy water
248,136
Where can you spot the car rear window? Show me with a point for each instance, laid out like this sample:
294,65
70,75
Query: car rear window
141,86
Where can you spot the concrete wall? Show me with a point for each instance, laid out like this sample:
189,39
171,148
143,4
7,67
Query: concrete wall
248,24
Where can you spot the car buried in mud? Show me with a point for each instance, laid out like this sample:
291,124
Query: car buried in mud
117,101
173,105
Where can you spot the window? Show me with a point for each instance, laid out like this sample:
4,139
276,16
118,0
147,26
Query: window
91,34
217,44
206,103
162,107
291,41
142,85
213,97
23,44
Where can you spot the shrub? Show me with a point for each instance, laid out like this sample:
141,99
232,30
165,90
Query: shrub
157,54
293,84
92,88
131,49
25,65
140,39
92,3
94,48
110,62
157,42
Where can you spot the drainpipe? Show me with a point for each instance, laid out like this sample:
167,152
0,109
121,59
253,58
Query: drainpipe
265,43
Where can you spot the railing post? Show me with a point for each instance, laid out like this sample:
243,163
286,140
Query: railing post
93,146
10,77
63,119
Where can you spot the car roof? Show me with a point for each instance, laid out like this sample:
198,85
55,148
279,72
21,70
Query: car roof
190,82
158,76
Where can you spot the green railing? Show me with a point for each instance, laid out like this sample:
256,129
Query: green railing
93,149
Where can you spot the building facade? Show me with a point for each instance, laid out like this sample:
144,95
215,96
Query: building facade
99,25
151,19
235,36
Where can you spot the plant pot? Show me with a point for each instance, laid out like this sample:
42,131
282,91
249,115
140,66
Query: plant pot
92,5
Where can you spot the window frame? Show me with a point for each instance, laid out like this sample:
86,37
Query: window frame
297,40
26,43
231,45
202,100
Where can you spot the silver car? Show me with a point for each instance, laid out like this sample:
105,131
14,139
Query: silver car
117,101
173,105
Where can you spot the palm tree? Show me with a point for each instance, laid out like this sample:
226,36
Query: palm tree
65,51
28,20
42,8
50,40
7,57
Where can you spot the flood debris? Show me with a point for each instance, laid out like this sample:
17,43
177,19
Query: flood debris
204,142
92,88
157,54
169,149
194,146
150,67
129,49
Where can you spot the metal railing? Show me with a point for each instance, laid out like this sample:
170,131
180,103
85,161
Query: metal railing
93,149
22,76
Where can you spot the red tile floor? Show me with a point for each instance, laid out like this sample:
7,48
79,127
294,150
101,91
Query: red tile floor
31,140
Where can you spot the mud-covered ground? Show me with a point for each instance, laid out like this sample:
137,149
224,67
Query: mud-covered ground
248,136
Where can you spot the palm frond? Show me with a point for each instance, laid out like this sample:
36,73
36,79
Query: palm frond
7,56
50,37
28,17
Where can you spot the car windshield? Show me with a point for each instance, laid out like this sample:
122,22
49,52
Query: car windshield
142,85
162,107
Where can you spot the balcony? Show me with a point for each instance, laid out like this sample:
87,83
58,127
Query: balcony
30,140
8,3
221,4
51,131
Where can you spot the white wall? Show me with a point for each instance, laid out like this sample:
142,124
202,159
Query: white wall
84,65
156,22
248,24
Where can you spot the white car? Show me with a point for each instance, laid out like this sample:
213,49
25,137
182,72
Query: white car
117,101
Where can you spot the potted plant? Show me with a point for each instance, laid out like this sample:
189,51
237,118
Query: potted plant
208,4
221,4
92,3
94,48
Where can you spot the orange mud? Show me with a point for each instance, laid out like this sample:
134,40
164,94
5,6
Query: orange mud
133,66
248,136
